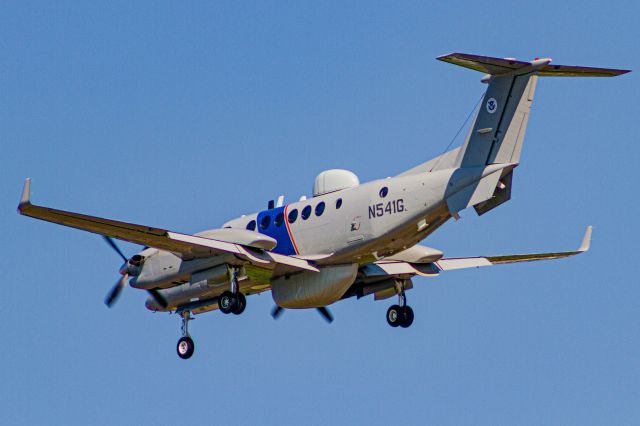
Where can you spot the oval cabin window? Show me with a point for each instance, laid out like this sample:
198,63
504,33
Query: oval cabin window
306,212
293,215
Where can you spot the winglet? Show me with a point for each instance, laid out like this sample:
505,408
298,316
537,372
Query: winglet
25,199
586,240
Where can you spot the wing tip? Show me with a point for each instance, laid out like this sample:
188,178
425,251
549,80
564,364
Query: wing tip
586,240
25,198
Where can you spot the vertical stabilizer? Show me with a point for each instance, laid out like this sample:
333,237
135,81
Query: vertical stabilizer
498,131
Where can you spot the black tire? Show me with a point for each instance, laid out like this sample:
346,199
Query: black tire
394,315
240,305
185,347
407,317
227,302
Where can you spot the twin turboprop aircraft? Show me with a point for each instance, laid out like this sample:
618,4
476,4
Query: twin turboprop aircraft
349,239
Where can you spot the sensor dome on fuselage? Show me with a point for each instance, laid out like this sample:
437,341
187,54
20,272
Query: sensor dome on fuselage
334,180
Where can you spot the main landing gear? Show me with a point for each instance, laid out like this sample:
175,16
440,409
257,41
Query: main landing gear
229,302
232,301
185,346
401,314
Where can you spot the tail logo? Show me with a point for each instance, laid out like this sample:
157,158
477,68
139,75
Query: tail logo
492,105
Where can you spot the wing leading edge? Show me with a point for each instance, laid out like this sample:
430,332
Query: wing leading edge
188,246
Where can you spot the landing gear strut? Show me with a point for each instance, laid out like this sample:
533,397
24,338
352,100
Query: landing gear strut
185,346
232,301
400,314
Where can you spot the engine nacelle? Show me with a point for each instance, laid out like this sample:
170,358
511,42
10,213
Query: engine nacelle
313,289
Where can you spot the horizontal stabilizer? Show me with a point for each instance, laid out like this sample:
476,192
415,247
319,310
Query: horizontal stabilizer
575,71
542,67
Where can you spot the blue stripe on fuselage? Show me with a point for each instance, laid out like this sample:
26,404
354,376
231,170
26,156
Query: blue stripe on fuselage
280,233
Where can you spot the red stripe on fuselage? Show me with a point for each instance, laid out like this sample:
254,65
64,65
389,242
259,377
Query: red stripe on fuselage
286,221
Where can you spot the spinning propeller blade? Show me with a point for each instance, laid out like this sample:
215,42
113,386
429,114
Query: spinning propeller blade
115,247
277,312
326,314
114,293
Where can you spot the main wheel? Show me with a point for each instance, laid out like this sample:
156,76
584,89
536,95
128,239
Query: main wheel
185,347
407,317
240,305
227,302
394,315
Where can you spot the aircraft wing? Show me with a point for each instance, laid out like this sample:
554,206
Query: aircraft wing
449,264
187,246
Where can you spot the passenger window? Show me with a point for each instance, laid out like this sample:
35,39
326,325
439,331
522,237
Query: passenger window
338,203
384,191
320,208
293,215
265,222
306,212
251,226
279,220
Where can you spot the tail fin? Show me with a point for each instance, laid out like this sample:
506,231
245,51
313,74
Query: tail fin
497,134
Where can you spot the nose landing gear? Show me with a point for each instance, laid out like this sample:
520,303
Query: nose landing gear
185,345
401,314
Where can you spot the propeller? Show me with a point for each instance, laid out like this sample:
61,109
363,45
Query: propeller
114,294
277,312
324,312
115,247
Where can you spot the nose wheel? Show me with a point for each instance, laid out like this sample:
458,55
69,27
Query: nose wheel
400,315
185,345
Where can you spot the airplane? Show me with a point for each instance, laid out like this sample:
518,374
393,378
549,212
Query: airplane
350,239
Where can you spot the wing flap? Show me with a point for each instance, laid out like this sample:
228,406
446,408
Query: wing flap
405,268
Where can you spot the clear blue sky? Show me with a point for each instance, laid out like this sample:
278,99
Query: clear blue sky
183,115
